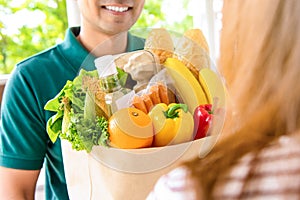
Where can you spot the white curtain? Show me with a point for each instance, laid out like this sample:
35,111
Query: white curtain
73,13
207,15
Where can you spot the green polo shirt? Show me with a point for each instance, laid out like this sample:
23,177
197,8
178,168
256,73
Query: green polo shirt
24,143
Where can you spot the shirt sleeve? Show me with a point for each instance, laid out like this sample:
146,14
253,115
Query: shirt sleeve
23,139
174,185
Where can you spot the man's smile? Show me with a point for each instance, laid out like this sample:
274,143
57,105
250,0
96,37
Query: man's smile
117,8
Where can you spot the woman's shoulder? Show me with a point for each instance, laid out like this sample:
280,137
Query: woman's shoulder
272,173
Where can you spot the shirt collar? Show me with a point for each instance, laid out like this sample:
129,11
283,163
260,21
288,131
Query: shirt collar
72,50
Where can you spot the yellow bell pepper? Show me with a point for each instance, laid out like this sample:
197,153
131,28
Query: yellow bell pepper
173,124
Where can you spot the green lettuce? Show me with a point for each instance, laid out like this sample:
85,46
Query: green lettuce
75,119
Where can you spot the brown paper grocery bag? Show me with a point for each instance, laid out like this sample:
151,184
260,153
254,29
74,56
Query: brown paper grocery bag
109,173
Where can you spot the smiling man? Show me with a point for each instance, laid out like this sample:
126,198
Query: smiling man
24,143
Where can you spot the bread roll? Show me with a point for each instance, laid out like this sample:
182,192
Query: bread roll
192,49
159,42
197,36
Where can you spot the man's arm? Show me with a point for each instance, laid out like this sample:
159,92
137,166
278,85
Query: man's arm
17,184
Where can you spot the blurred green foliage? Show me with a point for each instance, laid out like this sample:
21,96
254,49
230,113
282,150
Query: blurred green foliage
153,16
30,40
15,47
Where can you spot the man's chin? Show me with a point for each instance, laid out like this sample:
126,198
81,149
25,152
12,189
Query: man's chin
114,30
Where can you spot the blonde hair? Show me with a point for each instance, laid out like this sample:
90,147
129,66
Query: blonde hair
259,60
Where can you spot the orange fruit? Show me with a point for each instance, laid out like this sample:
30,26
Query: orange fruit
130,128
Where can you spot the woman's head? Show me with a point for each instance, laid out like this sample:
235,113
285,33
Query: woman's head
259,59
260,48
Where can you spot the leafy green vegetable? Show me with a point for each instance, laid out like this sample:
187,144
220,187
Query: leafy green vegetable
75,119
87,133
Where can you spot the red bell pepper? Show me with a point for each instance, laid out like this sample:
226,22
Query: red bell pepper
202,119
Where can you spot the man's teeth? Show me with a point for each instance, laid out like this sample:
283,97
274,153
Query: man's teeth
117,9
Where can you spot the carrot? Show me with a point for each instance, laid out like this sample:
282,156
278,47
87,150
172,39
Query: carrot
138,103
154,94
163,93
148,102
